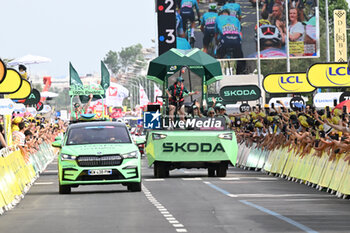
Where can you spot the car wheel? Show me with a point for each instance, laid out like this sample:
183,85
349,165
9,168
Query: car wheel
64,189
134,187
211,172
222,169
162,170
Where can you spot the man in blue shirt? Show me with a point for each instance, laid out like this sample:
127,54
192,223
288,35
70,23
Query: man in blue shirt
208,25
234,8
179,26
228,35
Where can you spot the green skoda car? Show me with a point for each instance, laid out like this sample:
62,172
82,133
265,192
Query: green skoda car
98,152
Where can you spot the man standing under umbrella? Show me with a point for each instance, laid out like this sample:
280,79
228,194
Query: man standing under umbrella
23,71
176,98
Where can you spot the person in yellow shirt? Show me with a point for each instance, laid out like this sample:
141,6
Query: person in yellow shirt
23,71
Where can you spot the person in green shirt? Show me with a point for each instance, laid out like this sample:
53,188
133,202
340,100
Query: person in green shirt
78,110
176,98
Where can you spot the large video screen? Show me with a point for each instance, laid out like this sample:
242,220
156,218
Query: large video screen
228,29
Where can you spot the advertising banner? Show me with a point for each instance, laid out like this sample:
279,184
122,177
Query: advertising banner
340,40
321,100
115,95
287,83
240,93
329,75
7,106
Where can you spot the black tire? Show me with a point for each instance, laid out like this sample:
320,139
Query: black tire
155,170
64,189
135,187
211,172
222,169
161,170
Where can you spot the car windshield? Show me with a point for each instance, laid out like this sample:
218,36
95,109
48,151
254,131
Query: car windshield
98,134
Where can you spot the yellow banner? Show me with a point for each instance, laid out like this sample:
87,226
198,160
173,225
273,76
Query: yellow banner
287,83
296,48
8,129
23,92
329,75
340,40
11,83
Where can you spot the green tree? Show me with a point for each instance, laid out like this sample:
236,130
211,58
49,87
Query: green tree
129,55
112,61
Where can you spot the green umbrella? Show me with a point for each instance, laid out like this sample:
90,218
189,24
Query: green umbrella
197,61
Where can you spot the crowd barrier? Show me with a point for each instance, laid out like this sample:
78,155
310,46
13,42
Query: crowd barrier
18,173
323,173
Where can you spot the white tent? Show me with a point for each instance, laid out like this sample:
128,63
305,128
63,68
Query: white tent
28,60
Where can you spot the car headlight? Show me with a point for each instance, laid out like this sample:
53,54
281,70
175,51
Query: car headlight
157,136
131,155
68,157
225,136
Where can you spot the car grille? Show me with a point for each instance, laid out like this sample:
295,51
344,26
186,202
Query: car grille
99,161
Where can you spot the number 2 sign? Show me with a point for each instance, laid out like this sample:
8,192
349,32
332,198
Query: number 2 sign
166,25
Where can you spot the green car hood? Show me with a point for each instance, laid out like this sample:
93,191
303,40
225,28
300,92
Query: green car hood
99,149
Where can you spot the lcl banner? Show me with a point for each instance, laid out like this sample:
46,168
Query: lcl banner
287,83
329,75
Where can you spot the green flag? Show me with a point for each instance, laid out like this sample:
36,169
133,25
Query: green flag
105,77
74,79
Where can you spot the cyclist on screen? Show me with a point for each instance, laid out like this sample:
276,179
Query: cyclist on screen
187,14
179,26
208,25
234,8
228,35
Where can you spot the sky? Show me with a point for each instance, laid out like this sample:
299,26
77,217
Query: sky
80,31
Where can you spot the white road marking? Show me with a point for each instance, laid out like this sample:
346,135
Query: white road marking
178,225
230,178
181,230
171,219
278,195
267,178
232,195
153,179
196,178
51,171
43,183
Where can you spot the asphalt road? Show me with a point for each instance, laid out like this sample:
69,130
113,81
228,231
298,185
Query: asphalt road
248,23
188,201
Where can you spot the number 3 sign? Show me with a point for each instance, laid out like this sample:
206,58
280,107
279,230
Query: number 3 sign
166,25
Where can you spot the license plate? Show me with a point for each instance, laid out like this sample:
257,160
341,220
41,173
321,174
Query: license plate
100,172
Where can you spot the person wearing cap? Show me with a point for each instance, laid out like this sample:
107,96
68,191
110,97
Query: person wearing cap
196,110
211,112
78,110
224,115
23,71
176,98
